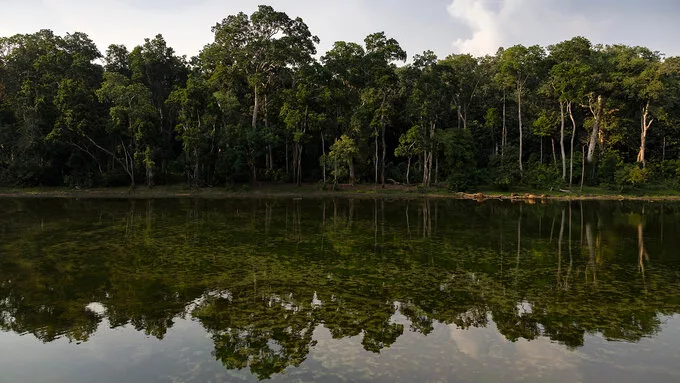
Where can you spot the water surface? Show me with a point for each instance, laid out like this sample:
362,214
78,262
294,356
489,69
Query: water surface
336,290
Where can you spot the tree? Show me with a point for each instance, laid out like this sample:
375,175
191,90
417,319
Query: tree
427,106
346,77
638,72
462,76
302,111
381,53
343,151
260,47
569,77
519,67
131,123
197,120
409,146
118,60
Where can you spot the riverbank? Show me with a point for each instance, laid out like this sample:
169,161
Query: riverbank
315,191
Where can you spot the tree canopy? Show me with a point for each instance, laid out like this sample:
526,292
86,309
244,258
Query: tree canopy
258,105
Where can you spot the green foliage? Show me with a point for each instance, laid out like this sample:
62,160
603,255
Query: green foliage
458,148
543,177
609,164
342,154
669,172
255,104
632,175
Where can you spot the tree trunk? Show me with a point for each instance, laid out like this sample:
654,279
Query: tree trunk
464,116
251,152
519,116
583,167
460,116
253,168
256,106
426,176
196,167
384,153
429,169
663,155
270,159
295,159
323,152
644,126
408,170
351,171
503,138
564,156
299,165
375,157
552,140
596,111
573,137
425,167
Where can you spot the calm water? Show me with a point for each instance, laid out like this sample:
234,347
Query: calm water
338,290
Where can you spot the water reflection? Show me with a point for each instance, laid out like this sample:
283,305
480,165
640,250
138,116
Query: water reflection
284,287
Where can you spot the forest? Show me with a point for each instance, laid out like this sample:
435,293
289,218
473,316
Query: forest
260,104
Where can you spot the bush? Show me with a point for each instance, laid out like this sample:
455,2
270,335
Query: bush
670,171
632,175
611,162
542,177
503,174
463,181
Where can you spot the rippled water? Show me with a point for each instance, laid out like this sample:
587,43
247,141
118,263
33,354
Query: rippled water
336,290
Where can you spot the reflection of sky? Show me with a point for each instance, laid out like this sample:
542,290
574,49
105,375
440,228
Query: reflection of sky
448,354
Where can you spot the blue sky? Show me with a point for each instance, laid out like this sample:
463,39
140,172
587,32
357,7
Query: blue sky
444,26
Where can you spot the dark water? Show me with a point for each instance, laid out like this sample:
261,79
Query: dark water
338,290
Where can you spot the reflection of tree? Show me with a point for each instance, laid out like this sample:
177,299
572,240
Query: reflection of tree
642,252
265,336
148,263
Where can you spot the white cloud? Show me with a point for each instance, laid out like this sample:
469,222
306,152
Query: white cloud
514,22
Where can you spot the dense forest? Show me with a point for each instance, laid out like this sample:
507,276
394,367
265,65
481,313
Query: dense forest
259,105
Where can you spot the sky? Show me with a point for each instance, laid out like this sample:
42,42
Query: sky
444,26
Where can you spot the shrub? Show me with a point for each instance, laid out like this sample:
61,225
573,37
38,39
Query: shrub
463,181
542,176
632,175
611,162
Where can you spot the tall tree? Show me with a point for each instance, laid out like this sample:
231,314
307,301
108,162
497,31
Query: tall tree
520,67
427,105
382,89
638,72
347,76
132,123
569,76
303,111
261,46
463,76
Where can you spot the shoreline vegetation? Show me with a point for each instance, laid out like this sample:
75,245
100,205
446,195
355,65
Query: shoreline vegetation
260,105
342,191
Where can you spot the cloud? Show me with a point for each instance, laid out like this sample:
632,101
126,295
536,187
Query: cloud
539,359
508,22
